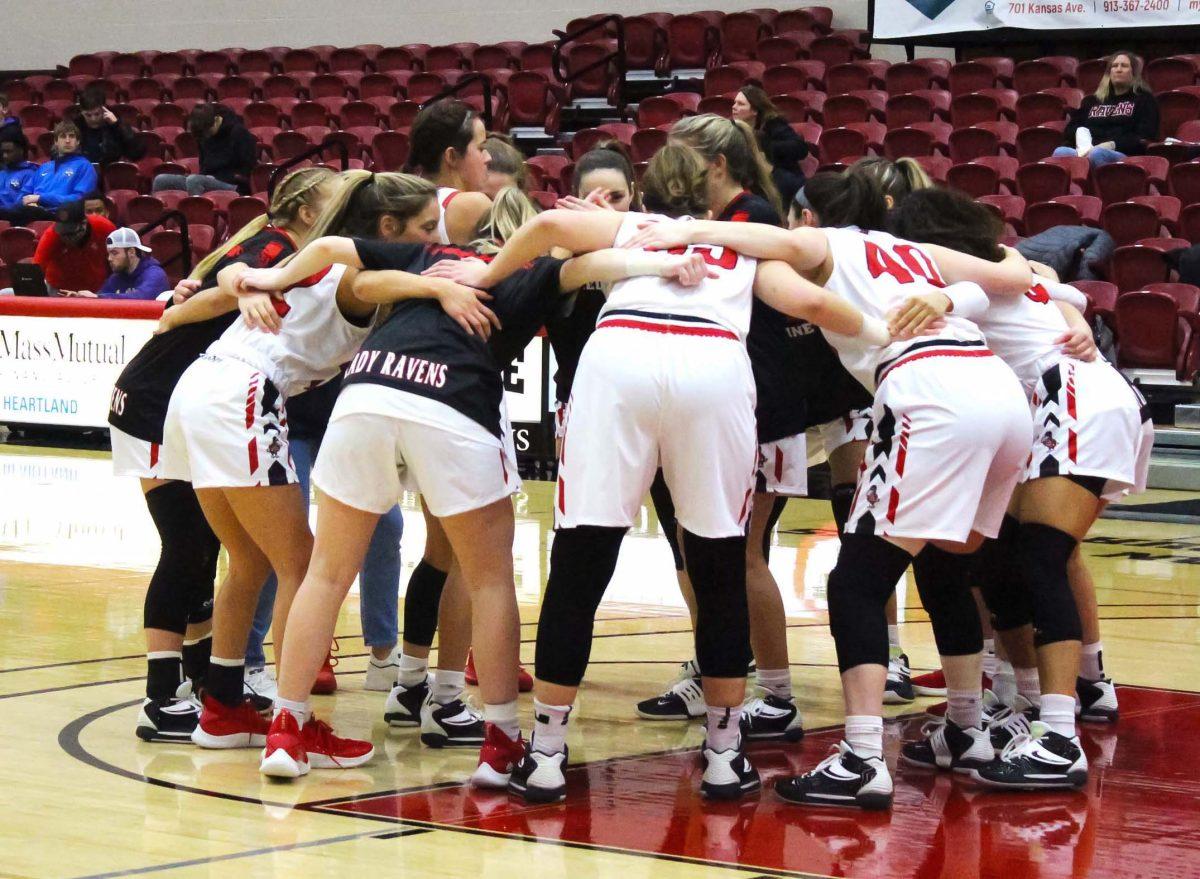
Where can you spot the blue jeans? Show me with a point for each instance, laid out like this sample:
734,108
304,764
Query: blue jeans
1097,157
379,583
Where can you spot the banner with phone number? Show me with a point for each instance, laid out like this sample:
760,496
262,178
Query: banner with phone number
897,19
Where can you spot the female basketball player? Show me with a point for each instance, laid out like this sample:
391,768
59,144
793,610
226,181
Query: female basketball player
422,406
226,433
180,592
657,359
950,432
1091,445
446,148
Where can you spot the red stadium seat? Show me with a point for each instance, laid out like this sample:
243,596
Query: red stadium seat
971,109
1039,108
402,113
645,44
1037,143
905,109
1010,208
834,49
836,144
849,77
740,34
378,85
1189,223
1183,182
974,179
1156,168
17,243
775,50
328,85
970,143
441,58
243,209
692,43
144,209
1186,296
901,142
1132,267
532,102
1006,98
723,80
970,76
1128,222
395,58
1168,208
1042,73
1048,214
424,86
842,109
1148,330
1120,181
653,112
646,142
1102,296
493,57
937,167
1042,181
1164,74
1177,110
1164,245
358,113
1089,73
1088,206
348,59
902,78
719,105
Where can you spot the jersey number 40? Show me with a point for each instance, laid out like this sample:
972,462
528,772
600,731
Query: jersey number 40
904,263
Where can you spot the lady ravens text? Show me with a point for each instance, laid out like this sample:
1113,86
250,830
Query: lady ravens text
417,370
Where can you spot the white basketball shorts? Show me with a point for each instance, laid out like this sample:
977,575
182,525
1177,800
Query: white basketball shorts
226,428
134,457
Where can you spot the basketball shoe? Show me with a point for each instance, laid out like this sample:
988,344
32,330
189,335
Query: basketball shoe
497,758
841,779
1096,701
538,777
453,725
524,678
899,689
403,705
683,699
766,717
230,726
291,750
946,745
1038,760
167,720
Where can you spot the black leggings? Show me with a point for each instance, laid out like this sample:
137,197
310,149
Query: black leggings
181,589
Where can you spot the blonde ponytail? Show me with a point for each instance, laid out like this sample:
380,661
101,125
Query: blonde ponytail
511,210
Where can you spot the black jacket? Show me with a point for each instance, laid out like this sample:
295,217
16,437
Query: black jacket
1074,252
1130,121
784,149
110,142
231,153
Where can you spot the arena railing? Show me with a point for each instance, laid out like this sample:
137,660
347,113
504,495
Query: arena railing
460,86
616,58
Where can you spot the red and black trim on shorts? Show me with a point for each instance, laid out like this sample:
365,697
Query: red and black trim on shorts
667,324
933,348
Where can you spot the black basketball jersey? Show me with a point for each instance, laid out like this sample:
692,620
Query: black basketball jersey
143,390
420,349
568,330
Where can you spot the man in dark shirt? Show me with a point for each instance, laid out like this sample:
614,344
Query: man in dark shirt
228,152
103,137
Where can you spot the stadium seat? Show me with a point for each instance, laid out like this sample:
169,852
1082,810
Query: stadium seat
1102,297
1163,245
1149,332
1042,181
1186,296
1039,108
395,58
1088,206
1132,267
970,143
1189,223
773,50
1089,73
1183,182
905,109
971,109
908,77
1037,143
1042,73
901,142
17,243
656,111
1010,208
1165,74
349,58
720,105
842,109
1156,168
740,34
970,76
1179,110
1120,181
853,76
975,179
1128,222
836,144
693,43
1006,98
646,142
937,167
1048,214
834,49
401,114
1167,207
723,80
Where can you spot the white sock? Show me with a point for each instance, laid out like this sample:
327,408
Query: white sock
964,708
504,716
412,670
1004,682
302,711
990,661
1058,713
777,681
448,685
1028,685
1091,662
864,735
894,648
724,728
549,727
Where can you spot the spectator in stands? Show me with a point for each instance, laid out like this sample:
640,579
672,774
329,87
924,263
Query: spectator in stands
16,172
73,252
135,273
9,124
94,205
780,143
228,153
67,177
506,165
104,137
1119,120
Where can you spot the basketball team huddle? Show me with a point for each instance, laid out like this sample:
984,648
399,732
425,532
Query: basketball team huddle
972,432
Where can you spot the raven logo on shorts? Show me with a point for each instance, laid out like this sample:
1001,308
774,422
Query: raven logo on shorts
872,496
1049,442
275,447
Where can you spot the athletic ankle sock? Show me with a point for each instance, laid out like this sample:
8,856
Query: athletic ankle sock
864,735
990,660
1028,685
1004,682
1058,713
164,674
412,670
964,708
225,678
777,681
302,711
549,727
448,685
894,648
195,659
504,717
1091,662
692,668
724,728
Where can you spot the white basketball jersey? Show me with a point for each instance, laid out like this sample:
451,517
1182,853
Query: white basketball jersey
876,273
1022,331
724,300
313,342
445,195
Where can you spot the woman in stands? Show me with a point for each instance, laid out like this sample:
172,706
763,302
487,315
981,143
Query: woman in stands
226,433
422,407
668,380
1091,446
180,594
780,143
950,434
447,149
1119,120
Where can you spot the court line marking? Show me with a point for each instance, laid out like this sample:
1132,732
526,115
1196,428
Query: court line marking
294,846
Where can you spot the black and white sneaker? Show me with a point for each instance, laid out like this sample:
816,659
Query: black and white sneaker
1041,760
538,777
728,775
766,717
453,725
167,720
1011,721
946,745
683,700
841,779
260,687
1096,701
403,705
899,689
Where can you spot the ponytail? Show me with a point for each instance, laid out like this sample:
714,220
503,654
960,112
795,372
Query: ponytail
511,210
676,182
714,136
364,197
847,200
